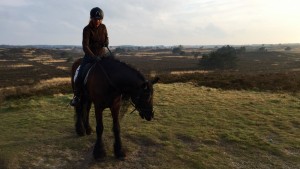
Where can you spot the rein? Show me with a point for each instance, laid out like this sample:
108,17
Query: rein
105,73
114,86
107,77
132,104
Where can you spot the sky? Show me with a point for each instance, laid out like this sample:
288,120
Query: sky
152,22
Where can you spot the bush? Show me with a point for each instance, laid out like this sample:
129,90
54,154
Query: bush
223,58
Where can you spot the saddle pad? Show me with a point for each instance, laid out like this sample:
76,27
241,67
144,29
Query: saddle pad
76,74
86,74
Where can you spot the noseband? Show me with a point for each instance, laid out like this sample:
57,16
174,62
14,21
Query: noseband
138,109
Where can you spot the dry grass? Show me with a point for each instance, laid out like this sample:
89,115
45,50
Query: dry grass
20,65
190,72
44,86
258,71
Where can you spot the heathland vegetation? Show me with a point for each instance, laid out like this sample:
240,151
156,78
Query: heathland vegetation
241,116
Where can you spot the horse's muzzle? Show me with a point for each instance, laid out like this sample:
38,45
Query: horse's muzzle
147,115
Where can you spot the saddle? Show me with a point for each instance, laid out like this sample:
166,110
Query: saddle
85,72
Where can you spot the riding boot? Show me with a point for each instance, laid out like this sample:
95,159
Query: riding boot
77,90
76,100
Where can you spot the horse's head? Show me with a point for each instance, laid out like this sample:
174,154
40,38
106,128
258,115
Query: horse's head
143,99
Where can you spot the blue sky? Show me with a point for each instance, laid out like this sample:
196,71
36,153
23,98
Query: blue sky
152,22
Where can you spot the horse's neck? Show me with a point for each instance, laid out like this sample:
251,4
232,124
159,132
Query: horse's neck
125,76
131,78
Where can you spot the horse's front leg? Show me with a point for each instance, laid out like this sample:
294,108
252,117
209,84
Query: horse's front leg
115,108
99,151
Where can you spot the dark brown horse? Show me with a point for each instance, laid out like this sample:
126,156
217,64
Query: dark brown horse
108,82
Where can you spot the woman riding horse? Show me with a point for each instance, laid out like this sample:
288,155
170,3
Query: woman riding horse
94,40
109,80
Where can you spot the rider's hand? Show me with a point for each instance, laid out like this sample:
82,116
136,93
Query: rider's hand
106,43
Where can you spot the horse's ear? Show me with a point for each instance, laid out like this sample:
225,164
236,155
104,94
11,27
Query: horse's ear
155,80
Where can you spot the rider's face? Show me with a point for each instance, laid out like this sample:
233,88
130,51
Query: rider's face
96,22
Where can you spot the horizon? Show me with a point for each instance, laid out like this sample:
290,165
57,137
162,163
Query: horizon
277,44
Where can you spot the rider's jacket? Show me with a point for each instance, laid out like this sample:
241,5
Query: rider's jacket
94,40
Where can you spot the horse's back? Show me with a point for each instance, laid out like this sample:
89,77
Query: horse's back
75,65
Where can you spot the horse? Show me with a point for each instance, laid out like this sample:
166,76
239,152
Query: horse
109,81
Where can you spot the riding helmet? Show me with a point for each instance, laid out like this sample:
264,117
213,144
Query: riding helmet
96,13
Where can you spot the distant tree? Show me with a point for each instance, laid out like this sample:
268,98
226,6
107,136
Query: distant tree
223,58
177,50
262,49
241,50
288,48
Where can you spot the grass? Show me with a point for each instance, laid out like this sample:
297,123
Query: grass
194,127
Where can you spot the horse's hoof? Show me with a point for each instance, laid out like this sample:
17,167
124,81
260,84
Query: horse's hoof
99,151
99,155
80,133
121,155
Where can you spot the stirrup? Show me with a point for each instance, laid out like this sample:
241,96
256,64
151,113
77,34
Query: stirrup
75,101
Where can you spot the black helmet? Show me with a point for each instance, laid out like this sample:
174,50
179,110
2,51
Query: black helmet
96,13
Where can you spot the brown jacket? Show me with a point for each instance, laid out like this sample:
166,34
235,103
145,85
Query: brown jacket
94,40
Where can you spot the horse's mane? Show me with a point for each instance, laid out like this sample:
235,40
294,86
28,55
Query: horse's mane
125,96
134,69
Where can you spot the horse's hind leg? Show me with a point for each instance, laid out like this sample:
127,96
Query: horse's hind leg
99,151
119,153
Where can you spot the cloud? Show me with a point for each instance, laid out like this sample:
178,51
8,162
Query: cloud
14,3
149,22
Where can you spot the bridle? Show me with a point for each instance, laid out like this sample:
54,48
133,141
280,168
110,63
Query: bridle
137,101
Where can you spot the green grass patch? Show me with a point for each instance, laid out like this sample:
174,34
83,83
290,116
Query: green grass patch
194,127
